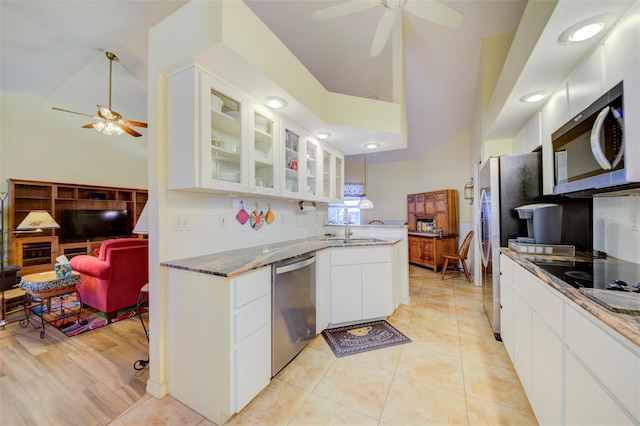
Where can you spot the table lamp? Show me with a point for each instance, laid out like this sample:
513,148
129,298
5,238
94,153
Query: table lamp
35,221
142,224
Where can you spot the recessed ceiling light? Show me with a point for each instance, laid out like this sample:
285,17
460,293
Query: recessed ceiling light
323,135
372,145
586,29
533,97
275,102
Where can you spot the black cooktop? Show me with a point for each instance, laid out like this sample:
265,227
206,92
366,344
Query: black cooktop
604,274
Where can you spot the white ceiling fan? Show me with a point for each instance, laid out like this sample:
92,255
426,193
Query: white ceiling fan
431,10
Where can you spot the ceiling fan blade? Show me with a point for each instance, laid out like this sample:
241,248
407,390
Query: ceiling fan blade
135,123
130,131
385,25
343,9
88,126
74,112
435,12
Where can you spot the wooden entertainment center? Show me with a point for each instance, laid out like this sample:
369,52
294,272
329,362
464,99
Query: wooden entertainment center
37,252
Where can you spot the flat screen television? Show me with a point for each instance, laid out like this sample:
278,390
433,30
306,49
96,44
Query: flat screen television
86,224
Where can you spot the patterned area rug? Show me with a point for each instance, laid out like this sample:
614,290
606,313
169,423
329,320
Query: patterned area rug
359,338
90,318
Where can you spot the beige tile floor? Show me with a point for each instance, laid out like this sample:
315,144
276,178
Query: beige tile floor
453,372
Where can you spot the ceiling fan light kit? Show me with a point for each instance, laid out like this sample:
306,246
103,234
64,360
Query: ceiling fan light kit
109,121
430,10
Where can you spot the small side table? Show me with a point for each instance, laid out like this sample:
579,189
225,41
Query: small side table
45,286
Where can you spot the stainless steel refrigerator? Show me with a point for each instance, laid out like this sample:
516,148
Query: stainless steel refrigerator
505,182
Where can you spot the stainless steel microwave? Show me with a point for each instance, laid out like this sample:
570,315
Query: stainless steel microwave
598,150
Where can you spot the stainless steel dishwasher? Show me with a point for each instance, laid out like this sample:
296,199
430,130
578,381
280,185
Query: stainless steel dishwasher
293,317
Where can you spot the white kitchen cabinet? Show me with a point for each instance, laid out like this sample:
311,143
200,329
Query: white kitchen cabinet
553,116
308,167
330,174
612,359
361,283
532,140
535,350
264,157
312,169
291,160
219,355
569,363
528,138
337,175
506,303
522,340
547,371
206,133
346,293
377,290
218,139
621,53
586,401
323,290
584,85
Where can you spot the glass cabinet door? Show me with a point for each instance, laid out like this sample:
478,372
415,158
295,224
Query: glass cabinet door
311,168
292,145
326,174
223,107
226,137
265,152
338,193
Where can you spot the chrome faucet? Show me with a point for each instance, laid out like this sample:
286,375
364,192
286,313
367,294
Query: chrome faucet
347,231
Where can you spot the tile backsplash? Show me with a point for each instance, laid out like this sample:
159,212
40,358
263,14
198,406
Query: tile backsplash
616,226
198,224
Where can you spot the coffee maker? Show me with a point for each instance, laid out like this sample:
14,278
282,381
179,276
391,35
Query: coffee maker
544,223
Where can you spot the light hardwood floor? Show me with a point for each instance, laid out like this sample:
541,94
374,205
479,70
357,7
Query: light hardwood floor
453,372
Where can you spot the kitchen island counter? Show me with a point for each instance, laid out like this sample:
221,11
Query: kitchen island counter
625,324
236,262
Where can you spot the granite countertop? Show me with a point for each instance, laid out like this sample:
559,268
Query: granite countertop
236,262
625,324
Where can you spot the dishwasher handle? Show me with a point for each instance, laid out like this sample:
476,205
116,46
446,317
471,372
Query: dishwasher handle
299,264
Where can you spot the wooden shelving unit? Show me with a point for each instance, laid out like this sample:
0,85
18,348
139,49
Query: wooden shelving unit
441,207
36,252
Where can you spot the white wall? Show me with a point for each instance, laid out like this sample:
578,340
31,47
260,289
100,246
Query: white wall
208,234
39,143
445,167
616,227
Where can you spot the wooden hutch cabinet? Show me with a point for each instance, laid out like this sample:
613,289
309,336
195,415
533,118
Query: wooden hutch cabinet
439,208
36,252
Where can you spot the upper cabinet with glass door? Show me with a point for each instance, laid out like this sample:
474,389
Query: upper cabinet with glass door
205,133
312,177
330,174
264,157
291,161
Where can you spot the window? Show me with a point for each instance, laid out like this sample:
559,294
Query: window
336,211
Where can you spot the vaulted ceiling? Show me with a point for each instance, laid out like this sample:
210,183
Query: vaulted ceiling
56,49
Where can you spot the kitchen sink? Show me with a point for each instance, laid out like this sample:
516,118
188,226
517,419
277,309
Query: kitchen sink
354,240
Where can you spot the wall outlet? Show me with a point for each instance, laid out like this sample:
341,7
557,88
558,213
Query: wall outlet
180,223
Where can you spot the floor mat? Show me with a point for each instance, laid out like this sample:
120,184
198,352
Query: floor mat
359,338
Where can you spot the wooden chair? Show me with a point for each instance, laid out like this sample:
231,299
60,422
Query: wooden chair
460,256
376,222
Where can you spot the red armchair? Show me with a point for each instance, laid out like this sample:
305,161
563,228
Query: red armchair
113,279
